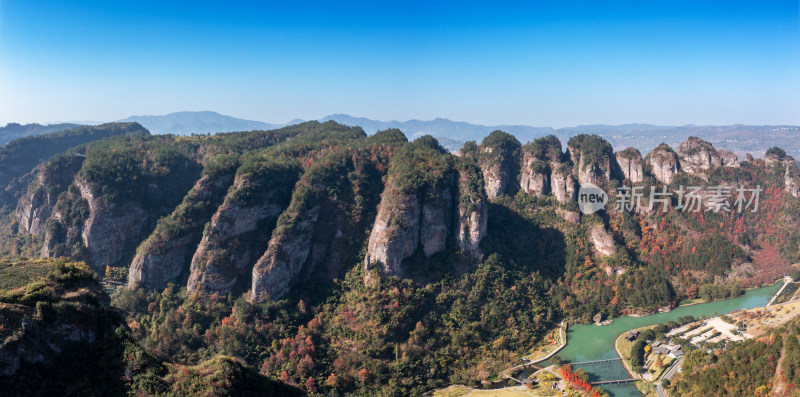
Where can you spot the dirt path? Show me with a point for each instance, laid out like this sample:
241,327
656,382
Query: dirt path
780,385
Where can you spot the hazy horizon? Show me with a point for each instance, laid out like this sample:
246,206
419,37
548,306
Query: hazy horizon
295,119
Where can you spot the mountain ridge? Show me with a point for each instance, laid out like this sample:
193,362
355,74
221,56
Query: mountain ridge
738,138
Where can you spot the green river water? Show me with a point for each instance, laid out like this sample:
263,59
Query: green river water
590,342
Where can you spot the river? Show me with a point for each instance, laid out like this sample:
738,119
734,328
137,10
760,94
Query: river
590,342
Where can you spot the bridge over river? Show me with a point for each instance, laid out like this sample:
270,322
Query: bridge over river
605,372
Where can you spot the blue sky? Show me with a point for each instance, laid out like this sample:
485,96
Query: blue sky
555,63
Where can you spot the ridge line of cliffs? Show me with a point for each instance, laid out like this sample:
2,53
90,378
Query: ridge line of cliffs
276,220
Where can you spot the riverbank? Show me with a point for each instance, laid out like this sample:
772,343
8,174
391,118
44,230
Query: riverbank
589,342
551,347
622,345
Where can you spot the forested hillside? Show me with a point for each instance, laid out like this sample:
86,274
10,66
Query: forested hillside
347,264
20,156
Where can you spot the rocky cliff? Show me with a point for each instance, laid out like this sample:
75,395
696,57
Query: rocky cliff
114,201
663,163
167,252
239,230
792,177
539,159
563,183
473,209
729,159
498,157
698,157
630,162
52,178
593,158
604,244
425,217
110,227
535,176
324,228
395,235
64,228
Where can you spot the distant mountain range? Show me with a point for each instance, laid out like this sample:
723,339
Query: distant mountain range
13,130
740,139
187,123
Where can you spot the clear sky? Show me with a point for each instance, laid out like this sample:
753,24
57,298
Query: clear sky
548,63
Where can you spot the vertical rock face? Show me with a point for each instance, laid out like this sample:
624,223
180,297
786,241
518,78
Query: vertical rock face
604,244
473,208
64,229
663,163
593,158
52,178
498,159
437,219
167,252
698,157
543,169
630,162
563,184
322,231
113,201
408,221
395,235
239,231
535,176
729,159
84,225
109,227
288,251
425,217
792,178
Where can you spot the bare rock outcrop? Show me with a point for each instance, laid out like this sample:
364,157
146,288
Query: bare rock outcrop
109,226
729,159
84,225
473,207
240,229
52,178
287,252
563,184
663,163
498,159
535,176
423,209
593,158
630,162
539,159
320,234
698,157
405,222
792,178
395,235
604,244
167,252
63,234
